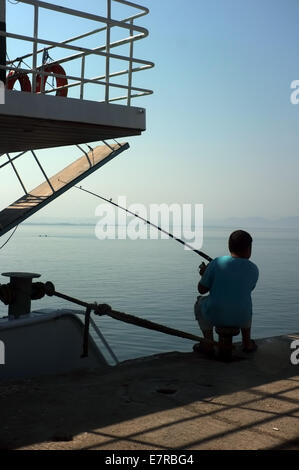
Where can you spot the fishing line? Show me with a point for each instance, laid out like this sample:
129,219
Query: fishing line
200,253
11,235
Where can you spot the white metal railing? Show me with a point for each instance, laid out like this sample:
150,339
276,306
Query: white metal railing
106,78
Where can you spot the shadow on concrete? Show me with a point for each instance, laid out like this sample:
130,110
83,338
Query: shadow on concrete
170,401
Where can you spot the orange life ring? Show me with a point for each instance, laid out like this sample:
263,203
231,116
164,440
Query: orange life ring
49,69
21,77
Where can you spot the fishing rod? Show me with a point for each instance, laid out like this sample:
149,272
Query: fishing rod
200,253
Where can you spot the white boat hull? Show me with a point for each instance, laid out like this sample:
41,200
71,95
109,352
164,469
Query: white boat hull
45,343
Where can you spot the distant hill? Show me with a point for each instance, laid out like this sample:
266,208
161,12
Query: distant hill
282,222
61,221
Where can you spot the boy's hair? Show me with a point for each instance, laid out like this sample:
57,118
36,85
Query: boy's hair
239,241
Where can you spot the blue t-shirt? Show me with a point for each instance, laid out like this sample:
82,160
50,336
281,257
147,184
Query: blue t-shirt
230,282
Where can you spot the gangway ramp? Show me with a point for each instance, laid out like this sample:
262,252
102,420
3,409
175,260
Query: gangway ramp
58,184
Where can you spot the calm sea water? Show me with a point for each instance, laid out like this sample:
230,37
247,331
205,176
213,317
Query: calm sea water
153,279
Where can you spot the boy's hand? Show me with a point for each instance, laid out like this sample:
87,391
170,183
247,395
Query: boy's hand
202,268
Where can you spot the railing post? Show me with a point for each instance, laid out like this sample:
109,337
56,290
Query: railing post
130,63
82,78
17,174
34,52
43,171
2,40
108,51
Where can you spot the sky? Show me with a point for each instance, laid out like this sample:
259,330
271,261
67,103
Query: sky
221,129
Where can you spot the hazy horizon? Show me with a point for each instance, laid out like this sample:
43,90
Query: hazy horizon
262,222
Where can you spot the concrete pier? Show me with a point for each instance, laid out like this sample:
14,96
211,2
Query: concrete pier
168,401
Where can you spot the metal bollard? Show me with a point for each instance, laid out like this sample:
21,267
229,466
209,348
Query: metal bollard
21,285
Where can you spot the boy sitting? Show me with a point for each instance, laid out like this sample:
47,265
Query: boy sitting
229,281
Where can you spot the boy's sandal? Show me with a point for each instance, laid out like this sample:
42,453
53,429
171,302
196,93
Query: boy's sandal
252,349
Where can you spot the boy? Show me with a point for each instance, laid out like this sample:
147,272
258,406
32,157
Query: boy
229,281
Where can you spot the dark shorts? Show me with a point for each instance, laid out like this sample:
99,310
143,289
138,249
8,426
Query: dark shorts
203,322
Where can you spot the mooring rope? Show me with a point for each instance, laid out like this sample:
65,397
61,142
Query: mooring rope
40,289
105,309
137,321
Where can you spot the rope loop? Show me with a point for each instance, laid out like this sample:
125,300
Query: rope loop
102,309
38,291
